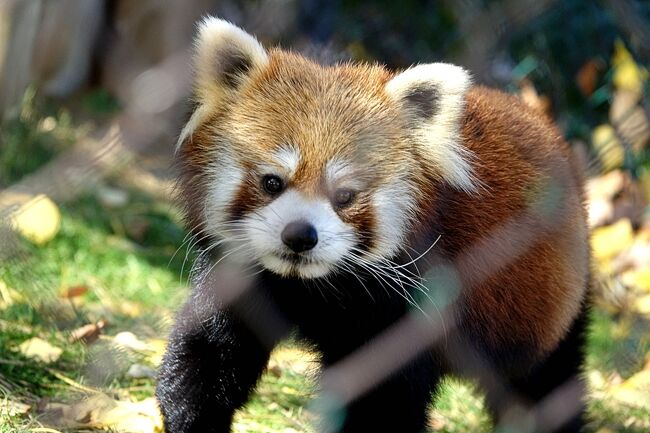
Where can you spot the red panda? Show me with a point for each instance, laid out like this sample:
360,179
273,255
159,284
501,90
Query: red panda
337,201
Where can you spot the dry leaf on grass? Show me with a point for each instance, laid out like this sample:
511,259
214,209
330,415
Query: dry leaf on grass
638,279
9,296
607,242
642,306
636,258
102,411
74,292
11,408
41,350
88,333
605,187
613,196
635,391
37,218
130,340
609,148
153,348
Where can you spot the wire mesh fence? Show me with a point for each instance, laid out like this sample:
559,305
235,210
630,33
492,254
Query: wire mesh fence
141,53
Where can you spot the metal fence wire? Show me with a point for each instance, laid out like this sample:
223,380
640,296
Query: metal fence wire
140,52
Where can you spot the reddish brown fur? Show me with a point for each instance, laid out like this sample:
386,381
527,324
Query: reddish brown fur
515,151
348,100
537,294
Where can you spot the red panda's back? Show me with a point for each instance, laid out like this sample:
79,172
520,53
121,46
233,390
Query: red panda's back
520,243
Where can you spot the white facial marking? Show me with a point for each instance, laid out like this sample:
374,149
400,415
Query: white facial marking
225,177
337,169
394,205
288,157
340,173
264,229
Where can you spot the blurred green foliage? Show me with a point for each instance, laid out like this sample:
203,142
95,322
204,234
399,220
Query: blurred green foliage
31,138
548,49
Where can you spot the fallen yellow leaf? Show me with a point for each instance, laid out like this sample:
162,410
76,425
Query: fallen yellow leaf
9,296
639,279
156,349
131,341
635,391
642,304
611,152
41,350
627,73
608,241
605,187
38,219
101,411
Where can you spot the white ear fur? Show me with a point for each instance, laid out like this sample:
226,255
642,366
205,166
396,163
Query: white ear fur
224,56
433,98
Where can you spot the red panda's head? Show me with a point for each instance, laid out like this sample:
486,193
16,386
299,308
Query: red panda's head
306,169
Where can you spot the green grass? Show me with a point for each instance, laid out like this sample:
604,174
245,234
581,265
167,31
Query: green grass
32,137
88,252
282,399
117,271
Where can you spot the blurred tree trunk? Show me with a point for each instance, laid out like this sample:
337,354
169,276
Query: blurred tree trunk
18,28
48,43
53,43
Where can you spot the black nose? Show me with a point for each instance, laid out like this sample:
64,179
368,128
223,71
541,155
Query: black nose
299,236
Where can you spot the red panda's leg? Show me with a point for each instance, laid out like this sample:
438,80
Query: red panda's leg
210,367
553,392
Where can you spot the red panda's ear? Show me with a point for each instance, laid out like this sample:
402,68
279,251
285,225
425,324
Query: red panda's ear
432,99
225,56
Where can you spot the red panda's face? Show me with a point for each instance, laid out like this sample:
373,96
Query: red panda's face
308,170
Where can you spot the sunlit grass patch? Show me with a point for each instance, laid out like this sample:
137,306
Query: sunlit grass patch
132,280
127,276
617,371
282,397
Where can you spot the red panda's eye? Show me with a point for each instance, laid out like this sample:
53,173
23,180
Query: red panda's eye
272,184
343,197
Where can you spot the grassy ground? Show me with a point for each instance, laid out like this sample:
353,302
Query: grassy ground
121,263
